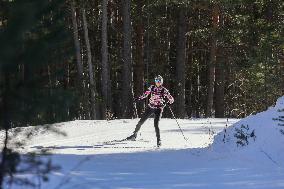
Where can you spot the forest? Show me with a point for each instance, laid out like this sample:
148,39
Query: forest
78,60
87,59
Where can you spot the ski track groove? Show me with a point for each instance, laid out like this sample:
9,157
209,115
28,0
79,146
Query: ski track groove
89,137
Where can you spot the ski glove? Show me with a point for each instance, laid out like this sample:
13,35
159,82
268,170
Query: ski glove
136,99
171,101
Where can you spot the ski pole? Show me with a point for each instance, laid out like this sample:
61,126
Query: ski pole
178,123
135,108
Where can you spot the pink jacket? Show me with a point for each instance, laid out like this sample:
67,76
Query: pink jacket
159,96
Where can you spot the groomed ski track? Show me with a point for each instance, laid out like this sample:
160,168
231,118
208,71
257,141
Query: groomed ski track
103,137
91,157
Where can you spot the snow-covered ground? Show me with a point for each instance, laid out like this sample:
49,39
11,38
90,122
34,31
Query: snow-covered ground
90,158
102,137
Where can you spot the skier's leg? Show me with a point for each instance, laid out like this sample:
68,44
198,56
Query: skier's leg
148,112
158,115
144,117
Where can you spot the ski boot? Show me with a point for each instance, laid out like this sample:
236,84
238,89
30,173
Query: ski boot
159,143
132,137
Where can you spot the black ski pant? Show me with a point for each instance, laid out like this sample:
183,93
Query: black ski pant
148,112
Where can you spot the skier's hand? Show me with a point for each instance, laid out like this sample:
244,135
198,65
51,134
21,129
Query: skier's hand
136,99
167,103
171,101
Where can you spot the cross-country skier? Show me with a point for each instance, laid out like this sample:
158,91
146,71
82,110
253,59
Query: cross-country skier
159,96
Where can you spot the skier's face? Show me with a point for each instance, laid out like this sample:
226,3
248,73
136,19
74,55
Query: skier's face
158,82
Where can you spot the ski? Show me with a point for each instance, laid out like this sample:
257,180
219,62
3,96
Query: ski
125,139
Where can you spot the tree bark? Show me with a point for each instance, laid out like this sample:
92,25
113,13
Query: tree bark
212,62
77,43
6,125
220,81
189,81
139,67
82,103
127,89
117,74
106,84
51,113
90,65
180,65
219,90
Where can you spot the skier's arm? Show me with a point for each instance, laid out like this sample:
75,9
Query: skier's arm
169,96
145,94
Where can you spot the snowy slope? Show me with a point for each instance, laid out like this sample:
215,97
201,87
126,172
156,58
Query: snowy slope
90,159
268,141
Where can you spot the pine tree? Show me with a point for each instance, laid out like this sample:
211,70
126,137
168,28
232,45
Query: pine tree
33,35
127,88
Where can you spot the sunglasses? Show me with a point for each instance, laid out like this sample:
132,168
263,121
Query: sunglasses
157,80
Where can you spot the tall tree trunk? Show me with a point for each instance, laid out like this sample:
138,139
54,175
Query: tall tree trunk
66,84
148,50
117,43
106,85
51,113
127,90
189,81
6,125
180,64
220,81
196,88
212,62
77,43
219,90
78,60
139,67
90,65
